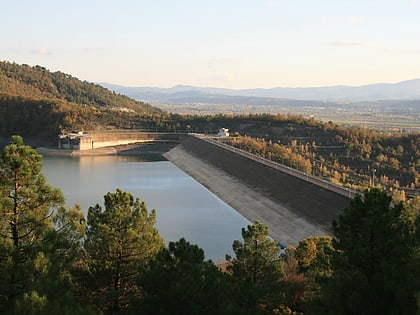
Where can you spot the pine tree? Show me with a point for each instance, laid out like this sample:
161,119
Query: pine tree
314,255
34,256
121,238
375,270
257,271
180,281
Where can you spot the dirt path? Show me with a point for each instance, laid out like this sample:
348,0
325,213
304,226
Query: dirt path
284,225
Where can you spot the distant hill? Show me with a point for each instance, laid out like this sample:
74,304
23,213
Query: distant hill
35,102
39,83
406,90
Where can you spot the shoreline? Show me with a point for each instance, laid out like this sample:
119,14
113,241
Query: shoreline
137,149
284,225
63,152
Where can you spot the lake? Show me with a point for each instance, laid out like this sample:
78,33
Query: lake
184,207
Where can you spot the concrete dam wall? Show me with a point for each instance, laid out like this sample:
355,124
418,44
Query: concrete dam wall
308,202
93,140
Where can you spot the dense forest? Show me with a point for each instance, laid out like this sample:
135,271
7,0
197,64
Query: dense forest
54,260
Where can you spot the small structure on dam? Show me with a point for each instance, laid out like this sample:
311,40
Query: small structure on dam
223,132
75,141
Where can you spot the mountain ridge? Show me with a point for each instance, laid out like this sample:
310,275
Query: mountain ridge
404,90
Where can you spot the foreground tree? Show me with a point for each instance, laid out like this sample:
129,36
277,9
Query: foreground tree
314,255
180,281
121,238
35,257
257,271
375,270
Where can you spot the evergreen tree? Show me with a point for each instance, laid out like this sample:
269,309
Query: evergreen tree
180,281
374,267
314,255
34,256
257,271
120,240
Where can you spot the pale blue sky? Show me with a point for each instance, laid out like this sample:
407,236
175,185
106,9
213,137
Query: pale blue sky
218,43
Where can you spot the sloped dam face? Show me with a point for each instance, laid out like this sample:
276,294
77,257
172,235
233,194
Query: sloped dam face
315,205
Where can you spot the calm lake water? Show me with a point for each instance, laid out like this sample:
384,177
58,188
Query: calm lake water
184,207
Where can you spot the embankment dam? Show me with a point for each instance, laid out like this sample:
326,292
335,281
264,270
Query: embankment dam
292,207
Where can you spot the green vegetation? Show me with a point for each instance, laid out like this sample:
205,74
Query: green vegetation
179,281
119,240
53,261
257,272
35,102
375,258
36,256
39,83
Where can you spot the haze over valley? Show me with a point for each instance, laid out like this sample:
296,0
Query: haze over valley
405,90
392,107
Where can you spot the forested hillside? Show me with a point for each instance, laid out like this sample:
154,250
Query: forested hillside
35,102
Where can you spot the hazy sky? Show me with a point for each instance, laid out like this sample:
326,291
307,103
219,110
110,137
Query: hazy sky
218,43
